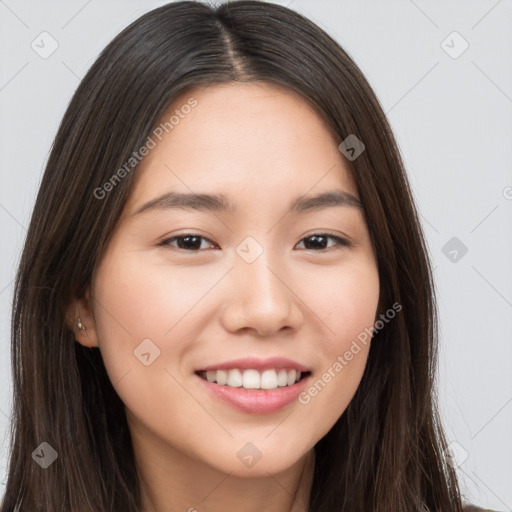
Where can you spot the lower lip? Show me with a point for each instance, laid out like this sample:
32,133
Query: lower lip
256,401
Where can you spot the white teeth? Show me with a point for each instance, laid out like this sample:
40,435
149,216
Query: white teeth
252,379
235,378
282,378
269,379
222,377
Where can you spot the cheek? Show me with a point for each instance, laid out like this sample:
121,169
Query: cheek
346,303
141,315
146,299
139,300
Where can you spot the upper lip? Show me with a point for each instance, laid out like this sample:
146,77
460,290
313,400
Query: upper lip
256,364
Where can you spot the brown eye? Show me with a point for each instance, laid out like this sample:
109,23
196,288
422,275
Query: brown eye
319,241
188,242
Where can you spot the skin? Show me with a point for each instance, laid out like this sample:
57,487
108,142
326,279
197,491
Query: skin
262,146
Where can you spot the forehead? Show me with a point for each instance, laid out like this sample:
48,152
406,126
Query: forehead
241,137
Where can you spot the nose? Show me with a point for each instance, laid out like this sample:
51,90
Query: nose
261,299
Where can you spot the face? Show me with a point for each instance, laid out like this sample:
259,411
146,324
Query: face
262,271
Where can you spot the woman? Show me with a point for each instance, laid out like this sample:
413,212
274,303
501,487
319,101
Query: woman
224,301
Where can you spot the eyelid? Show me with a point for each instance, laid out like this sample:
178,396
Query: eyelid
326,232
343,241
166,241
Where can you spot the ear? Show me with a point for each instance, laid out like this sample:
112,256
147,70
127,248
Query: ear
80,309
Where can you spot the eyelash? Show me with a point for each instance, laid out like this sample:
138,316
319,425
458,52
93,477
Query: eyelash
341,242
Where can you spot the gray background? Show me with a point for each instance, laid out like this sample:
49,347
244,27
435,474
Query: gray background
452,119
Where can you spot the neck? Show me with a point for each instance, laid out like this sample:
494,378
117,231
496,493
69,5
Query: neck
173,481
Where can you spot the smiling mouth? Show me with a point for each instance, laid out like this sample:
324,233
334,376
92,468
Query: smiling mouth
269,379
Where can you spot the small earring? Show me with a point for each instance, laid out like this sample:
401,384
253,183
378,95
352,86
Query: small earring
80,326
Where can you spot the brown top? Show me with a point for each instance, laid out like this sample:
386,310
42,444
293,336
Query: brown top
473,508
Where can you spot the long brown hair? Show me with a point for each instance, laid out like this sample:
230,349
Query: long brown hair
387,450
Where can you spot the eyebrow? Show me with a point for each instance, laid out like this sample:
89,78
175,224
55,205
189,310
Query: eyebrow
220,203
